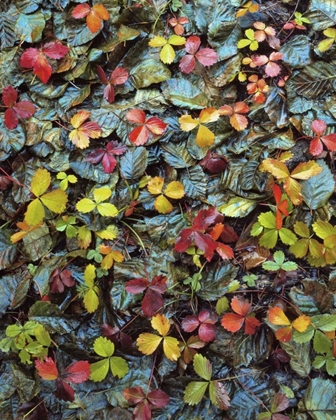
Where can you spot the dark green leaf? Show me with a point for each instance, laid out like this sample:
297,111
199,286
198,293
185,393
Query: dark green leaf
320,399
133,163
297,51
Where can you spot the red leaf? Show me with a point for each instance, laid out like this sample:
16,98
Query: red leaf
207,217
190,323
207,332
241,306
232,322
47,369
136,116
258,60
151,303
64,391
134,395
251,324
77,372
142,411
206,244
192,44
42,69
114,148
139,135
55,50
25,109
109,163
228,235
95,156
102,76
330,141
9,96
207,56
81,11
136,286
207,317
156,126
187,64
109,93
184,240
319,127
224,251
11,119
158,398
159,284
119,76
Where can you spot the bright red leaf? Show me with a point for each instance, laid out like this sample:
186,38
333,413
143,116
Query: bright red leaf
75,373
177,24
205,320
117,77
316,145
152,126
238,121
59,279
94,15
106,156
152,301
206,56
233,322
23,109
36,59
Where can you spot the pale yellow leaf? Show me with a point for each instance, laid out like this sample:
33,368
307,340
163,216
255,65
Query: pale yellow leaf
91,300
176,40
204,137
157,41
147,343
276,168
107,210
174,190
155,185
102,194
85,205
306,170
35,213
162,205
167,54
171,348
188,123
40,182
89,275
55,200
161,324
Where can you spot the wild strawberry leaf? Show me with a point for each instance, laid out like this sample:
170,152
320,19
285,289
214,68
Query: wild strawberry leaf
47,369
237,120
205,56
219,396
234,322
94,15
59,279
22,109
151,127
36,59
83,131
117,77
77,372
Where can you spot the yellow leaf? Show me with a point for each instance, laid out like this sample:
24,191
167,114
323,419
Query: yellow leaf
276,168
293,189
285,156
325,44
79,139
188,123
162,205
330,33
78,119
174,190
277,316
25,229
147,343
107,210
111,257
208,115
85,205
155,185
167,54
171,348
91,300
306,170
204,137
89,275
161,324
40,182
102,194
55,200
301,323
35,213
110,233
157,41
176,40
84,237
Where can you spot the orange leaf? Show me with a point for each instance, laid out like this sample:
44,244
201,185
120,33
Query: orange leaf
239,122
284,334
301,323
277,316
241,306
232,322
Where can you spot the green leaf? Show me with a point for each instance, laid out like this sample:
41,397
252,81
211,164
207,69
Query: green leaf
103,347
270,266
194,392
118,366
324,322
267,220
269,239
222,305
99,370
289,266
321,342
287,236
317,190
304,337
202,367
320,399
279,257
238,207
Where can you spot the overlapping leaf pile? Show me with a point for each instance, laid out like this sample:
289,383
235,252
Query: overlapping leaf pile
167,207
